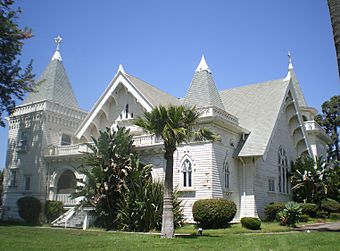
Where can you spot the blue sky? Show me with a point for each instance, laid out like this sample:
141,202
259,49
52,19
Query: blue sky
161,42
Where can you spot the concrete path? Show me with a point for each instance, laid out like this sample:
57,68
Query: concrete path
329,226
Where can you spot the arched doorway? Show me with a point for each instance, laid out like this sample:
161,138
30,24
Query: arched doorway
65,187
66,183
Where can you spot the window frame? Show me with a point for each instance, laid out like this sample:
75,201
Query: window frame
187,174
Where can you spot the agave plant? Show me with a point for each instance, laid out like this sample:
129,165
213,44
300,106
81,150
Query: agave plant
290,215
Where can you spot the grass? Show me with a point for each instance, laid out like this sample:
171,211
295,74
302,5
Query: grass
266,227
233,238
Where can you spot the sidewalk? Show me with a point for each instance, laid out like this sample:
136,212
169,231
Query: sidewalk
329,226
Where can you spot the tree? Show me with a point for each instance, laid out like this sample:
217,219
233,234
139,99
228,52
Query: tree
14,81
1,185
175,125
109,164
334,11
330,121
308,179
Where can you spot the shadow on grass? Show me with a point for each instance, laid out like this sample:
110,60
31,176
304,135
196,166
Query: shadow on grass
16,223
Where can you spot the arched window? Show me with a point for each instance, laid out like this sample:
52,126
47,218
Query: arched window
226,174
283,171
187,173
126,111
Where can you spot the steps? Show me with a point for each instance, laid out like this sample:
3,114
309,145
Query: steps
74,218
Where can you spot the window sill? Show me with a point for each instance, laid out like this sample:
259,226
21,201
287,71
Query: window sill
187,189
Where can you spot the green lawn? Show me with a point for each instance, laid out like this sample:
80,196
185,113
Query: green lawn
34,238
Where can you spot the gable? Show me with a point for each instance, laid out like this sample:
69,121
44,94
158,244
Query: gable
258,108
125,98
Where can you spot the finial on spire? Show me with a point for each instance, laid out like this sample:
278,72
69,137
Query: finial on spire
121,69
203,66
290,66
58,40
57,56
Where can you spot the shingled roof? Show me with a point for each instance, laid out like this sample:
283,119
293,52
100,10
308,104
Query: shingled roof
257,107
202,90
154,95
55,85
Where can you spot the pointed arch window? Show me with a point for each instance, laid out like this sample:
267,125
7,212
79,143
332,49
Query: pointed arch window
283,183
126,111
226,175
187,173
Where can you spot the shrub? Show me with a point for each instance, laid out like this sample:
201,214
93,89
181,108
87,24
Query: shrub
304,218
213,213
334,216
251,223
29,209
290,214
330,205
53,209
322,214
309,209
272,209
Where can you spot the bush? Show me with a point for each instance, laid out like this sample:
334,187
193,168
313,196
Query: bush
304,218
334,216
251,223
290,214
272,209
29,209
309,209
330,205
213,213
322,214
53,209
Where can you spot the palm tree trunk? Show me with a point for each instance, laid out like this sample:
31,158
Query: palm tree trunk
168,215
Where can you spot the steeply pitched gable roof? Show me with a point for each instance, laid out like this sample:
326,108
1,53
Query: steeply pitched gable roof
153,94
202,90
257,106
55,85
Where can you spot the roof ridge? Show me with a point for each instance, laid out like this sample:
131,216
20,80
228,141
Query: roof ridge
254,84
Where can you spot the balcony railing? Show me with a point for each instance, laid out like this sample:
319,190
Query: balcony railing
147,140
311,125
138,141
66,150
66,199
213,111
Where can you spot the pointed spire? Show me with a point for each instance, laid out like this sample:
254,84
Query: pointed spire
55,85
57,56
202,91
203,66
290,66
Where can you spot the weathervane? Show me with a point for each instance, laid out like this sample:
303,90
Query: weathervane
58,40
290,57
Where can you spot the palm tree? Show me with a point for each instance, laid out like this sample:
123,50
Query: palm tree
175,125
334,11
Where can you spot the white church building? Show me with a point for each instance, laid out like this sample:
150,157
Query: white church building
263,128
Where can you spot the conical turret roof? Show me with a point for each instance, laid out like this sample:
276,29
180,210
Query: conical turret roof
292,76
202,90
55,85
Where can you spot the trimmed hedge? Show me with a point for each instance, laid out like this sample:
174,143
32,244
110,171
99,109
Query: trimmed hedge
272,209
309,209
304,218
251,223
330,205
322,214
334,216
53,209
213,213
29,209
